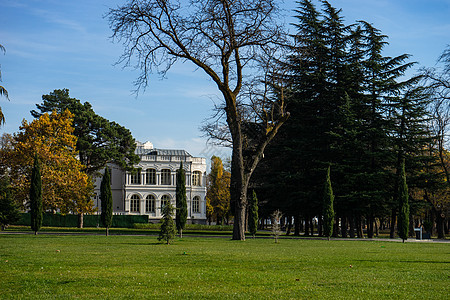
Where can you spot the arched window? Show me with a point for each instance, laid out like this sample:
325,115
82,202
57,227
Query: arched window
150,177
196,204
165,177
134,203
135,178
164,201
197,178
150,204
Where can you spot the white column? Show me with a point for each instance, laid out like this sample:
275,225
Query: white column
142,206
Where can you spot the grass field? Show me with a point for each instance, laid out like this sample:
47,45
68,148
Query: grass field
138,267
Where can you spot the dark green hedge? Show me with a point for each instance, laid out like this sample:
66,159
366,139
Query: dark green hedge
58,220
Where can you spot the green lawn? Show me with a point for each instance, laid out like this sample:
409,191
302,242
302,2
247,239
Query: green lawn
138,267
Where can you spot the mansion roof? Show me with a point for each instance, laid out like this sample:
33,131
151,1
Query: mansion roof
142,151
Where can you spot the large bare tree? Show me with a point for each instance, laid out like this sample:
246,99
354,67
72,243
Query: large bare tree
234,42
437,80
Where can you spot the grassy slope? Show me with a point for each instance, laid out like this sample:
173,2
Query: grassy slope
139,267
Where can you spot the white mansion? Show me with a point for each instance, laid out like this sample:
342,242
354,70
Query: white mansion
144,192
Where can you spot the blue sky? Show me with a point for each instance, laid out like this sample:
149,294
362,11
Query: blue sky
54,44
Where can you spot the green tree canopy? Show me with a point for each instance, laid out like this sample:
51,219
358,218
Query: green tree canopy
99,141
8,209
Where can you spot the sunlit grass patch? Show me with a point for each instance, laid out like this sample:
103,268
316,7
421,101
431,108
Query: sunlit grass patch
114,267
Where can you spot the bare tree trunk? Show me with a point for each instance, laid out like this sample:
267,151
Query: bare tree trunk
80,220
377,232
370,221
440,218
359,229
392,227
320,226
352,226
336,227
344,226
297,221
307,226
411,227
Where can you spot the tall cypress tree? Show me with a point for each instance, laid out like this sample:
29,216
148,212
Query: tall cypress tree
181,214
168,228
328,209
36,196
403,217
106,200
253,215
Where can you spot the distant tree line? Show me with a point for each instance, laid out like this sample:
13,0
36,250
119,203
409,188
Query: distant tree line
72,144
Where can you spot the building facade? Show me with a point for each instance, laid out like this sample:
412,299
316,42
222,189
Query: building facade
146,191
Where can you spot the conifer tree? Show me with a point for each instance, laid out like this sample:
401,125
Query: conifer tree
328,209
168,229
36,196
181,204
403,217
9,212
253,215
106,200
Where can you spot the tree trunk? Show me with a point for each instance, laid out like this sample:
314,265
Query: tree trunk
344,226
320,226
336,227
377,232
370,221
359,230
289,225
352,226
107,231
297,225
238,186
392,227
80,220
411,227
440,218
239,221
306,226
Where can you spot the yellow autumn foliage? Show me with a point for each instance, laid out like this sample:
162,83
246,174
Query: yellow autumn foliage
218,191
65,187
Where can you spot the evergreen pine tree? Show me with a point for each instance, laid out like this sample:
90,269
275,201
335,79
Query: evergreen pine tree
253,215
106,200
168,229
36,196
9,212
328,210
181,204
403,217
